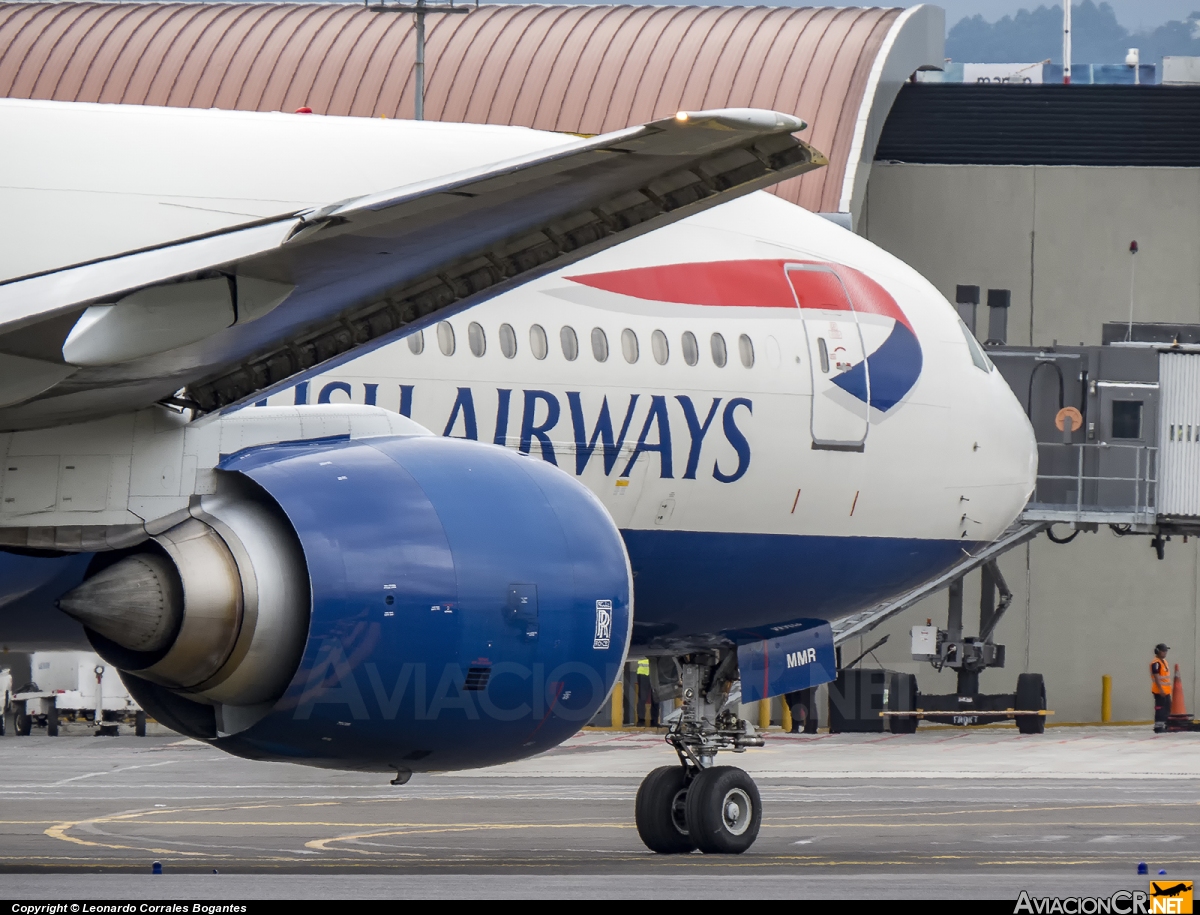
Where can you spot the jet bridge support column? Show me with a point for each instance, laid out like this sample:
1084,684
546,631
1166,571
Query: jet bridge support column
969,656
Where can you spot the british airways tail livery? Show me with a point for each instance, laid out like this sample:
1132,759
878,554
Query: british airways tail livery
394,479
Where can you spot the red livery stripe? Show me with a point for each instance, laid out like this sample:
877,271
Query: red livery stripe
749,284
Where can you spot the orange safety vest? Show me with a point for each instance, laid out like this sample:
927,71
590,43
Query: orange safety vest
1160,677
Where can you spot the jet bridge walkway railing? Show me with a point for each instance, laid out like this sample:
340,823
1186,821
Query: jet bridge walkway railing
866,620
1095,483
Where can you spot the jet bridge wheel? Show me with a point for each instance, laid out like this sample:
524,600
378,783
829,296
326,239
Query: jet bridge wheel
724,811
1031,695
661,811
904,690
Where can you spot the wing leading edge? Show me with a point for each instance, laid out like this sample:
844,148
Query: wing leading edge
230,316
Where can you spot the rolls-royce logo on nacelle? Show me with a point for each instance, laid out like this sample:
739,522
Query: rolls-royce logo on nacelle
603,624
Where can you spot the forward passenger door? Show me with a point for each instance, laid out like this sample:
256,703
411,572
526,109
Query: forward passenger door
836,358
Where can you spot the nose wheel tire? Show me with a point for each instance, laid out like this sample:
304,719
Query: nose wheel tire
661,811
724,811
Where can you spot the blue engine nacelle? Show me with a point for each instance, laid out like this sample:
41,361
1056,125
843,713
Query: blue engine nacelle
465,606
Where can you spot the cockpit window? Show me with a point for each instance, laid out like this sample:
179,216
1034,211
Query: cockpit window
982,362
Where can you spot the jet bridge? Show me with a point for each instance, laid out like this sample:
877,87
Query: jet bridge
1118,431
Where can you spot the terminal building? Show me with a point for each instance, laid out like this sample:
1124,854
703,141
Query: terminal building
1043,191
1036,190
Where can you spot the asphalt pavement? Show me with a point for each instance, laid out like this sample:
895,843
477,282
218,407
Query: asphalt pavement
941,813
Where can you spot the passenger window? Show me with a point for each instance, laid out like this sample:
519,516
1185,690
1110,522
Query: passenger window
691,349
570,343
599,345
508,341
982,362
824,352
538,344
658,346
475,338
719,355
445,335
629,346
746,351
416,343
1127,419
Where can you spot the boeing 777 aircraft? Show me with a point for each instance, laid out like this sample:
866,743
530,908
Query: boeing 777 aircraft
707,443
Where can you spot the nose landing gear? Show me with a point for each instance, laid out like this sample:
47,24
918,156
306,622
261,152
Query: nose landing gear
716,809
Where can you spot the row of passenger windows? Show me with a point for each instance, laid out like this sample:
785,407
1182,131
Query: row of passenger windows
539,344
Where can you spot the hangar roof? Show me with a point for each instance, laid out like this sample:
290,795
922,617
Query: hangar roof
583,69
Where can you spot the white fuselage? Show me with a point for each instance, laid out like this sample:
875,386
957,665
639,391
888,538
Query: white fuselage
957,444
852,441
948,466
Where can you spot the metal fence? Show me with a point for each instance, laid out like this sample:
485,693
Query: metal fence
1101,481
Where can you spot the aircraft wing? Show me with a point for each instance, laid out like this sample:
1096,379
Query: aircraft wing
214,321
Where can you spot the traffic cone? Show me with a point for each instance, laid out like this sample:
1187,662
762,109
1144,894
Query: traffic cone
1179,720
1177,704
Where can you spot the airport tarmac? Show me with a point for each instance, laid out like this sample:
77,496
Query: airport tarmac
979,813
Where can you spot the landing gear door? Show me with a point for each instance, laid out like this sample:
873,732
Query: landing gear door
836,357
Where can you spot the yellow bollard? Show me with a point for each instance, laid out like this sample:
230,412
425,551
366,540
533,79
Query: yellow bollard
786,716
618,706
1106,698
764,713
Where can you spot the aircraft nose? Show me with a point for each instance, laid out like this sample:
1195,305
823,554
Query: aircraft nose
1011,470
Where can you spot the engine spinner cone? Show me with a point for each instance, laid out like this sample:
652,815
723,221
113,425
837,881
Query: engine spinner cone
137,603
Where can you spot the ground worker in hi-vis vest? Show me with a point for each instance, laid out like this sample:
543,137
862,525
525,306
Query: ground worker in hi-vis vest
647,708
1160,685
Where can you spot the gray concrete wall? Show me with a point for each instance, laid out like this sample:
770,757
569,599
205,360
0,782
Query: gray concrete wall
1058,237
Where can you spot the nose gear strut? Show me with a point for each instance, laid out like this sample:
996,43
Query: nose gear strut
708,721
